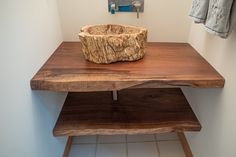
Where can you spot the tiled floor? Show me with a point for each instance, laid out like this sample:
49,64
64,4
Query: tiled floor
160,145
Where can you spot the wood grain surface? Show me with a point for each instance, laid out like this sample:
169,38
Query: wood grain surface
137,111
164,65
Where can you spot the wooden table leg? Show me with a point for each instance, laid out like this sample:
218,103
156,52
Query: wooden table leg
185,145
68,146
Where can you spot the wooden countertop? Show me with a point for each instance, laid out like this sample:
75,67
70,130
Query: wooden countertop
164,65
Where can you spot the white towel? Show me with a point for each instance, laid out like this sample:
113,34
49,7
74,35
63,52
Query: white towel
218,15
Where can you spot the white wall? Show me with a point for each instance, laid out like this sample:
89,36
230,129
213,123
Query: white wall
29,32
167,21
216,108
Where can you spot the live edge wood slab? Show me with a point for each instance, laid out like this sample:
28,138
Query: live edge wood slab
90,110
142,111
164,65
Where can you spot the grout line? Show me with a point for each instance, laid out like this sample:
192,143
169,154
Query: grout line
141,141
96,146
155,139
158,149
113,143
167,140
126,143
83,143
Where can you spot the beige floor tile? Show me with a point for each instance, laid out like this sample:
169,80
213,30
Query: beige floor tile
145,149
166,136
85,139
112,139
140,138
171,149
111,150
82,150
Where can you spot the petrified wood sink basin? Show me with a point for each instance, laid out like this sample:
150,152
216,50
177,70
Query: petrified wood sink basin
111,43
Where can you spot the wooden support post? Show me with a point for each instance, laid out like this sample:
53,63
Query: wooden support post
68,146
185,145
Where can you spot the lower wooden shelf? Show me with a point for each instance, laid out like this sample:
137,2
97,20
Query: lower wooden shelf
137,111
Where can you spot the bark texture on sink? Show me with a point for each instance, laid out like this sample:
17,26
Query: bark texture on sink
112,43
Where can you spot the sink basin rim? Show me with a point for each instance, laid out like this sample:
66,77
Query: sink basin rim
84,30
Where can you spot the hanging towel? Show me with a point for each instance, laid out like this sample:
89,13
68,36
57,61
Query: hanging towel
218,16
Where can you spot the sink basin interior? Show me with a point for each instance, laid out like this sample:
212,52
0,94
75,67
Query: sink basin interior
110,30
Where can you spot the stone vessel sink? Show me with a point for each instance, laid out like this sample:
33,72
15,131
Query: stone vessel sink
111,43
